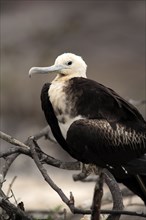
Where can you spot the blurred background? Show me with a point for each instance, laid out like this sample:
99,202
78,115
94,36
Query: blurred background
109,35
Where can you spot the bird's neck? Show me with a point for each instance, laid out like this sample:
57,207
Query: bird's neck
63,78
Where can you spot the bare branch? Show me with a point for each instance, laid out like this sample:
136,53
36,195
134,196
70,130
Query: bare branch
11,140
98,193
46,176
10,186
119,212
111,183
9,160
12,209
41,158
116,194
45,132
11,151
88,212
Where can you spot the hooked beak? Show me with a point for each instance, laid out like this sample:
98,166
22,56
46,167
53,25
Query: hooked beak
45,70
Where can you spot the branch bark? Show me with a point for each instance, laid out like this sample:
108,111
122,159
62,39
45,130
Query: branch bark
116,194
12,140
31,149
97,197
13,210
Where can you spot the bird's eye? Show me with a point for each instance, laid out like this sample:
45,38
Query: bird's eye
69,63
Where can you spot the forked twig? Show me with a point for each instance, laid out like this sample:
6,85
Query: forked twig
41,158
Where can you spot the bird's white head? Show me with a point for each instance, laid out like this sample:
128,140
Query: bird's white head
67,64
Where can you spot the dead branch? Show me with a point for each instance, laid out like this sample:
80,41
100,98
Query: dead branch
116,194
8,206
111,183
97,197
10,186
11,140
11,154
45,175
31,148
8,161
45,132
13,210
112,212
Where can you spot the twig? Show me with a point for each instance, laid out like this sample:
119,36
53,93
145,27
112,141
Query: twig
63,196
89,179
11,151
44,173
10,186
65,214
45,132
98,193
14,197
12,140
45,159
46,176
111,183
116,194
12,209
84,178
119,212
42,158
88,212
9,160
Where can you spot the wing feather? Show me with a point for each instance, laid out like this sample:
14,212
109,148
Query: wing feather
96,101
95,141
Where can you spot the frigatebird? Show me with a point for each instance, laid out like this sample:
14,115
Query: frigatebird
93,123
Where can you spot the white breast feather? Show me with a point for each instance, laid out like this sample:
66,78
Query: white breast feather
57,95
64,127
59,101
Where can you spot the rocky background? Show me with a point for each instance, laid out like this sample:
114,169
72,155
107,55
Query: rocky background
109,35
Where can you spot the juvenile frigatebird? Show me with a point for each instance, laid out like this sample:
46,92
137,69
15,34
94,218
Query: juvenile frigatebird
93,123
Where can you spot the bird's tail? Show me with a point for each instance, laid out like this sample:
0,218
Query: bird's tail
137,184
